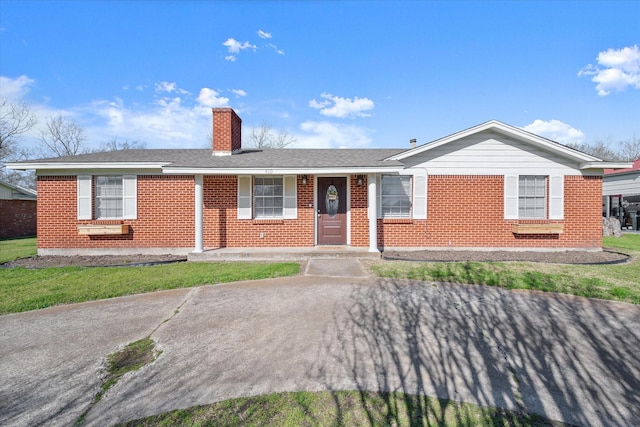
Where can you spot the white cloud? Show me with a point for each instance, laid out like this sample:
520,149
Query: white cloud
239,92
622,70
556,131
342,107
15,89
234,47
210,98
331,135
171,122
264,34
178,120
168,87
276,48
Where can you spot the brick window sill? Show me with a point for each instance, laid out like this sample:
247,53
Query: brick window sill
105,229
267,221
397,221
537,228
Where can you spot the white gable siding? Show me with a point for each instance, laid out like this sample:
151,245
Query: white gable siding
623,184
488,153
6,193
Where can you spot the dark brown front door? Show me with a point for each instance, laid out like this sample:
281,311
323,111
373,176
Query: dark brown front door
332,211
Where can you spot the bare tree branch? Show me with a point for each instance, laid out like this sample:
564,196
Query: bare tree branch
63,137
630,149
282,139
264,137
601,149
260,137
16,119
115,144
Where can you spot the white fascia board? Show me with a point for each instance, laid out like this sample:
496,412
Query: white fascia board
73,166
504,128
606,165
280,171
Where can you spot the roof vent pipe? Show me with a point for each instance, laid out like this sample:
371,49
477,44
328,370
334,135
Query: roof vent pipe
413,142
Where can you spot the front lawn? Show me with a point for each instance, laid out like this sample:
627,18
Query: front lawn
612,282
22,289
17,248
340,408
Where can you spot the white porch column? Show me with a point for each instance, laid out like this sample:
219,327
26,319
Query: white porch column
199,247
373,212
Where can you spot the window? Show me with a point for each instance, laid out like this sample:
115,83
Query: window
396,196
107,196
268,197
532,197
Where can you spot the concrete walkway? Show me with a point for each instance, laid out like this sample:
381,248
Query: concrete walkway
571,359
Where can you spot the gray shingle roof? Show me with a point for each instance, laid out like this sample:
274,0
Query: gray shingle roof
269,158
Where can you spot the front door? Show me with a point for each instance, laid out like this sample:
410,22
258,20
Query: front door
332,211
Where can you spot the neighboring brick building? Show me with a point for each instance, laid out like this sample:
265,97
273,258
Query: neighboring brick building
17,211
490,186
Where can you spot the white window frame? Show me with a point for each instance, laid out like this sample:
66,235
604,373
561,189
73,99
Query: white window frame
534,200
408,193
247,197
87,197
276,196
554,197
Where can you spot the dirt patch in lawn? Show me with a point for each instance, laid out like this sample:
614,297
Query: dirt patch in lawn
92,261
565,257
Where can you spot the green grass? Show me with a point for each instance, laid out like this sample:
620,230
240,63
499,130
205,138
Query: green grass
617,282
339,408
17,248
630,242
131,358
23,289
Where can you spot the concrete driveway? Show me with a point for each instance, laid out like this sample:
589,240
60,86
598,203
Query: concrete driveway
571,359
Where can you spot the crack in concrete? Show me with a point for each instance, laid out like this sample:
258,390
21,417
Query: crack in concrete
176,310
94,402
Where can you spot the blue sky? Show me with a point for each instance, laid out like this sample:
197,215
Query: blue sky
331,74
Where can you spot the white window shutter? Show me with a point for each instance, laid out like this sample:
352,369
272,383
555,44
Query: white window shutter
244,196
510,197
290,207
419,197
130,196
379,195
556,197
84,196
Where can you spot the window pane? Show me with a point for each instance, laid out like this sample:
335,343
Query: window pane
109,196
396,196
533,197
268,198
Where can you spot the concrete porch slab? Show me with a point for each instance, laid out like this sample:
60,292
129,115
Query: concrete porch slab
289,253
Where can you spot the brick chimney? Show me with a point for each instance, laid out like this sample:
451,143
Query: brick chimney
227,132
413,142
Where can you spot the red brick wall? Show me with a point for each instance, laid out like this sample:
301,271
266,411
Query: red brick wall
468,211
222,228
359,213
17,218
165,215
463,211
227,130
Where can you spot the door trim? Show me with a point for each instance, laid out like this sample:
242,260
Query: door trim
315,204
